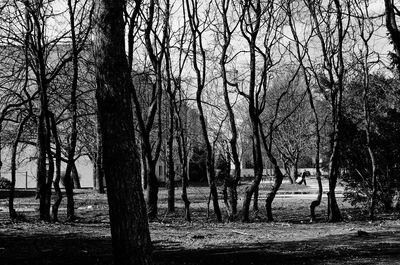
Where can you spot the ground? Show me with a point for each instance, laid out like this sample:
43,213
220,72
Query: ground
290,239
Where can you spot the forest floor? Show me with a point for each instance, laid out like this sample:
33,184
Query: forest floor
290,239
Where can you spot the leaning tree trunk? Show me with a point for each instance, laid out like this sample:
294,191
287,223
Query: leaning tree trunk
274,189
278,178
129,227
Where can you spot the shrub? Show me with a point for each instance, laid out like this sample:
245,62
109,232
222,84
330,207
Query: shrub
5,183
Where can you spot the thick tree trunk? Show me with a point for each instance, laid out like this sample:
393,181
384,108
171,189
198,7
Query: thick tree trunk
129,227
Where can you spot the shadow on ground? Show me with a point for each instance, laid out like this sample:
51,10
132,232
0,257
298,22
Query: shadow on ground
82,249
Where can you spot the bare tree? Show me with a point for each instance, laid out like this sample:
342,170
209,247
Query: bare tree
231,183
24,120
300,53
364,56
331,26
129,226
155,47
261,28
197,28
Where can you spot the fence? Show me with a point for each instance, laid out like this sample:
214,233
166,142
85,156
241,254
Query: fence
23,180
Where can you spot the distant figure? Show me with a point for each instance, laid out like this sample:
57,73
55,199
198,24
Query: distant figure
302,179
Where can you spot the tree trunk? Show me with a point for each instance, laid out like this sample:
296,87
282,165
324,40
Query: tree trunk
185,197
255,199
293,172
317,202
274,189
99,161
56,182
289,173
143,169
43,175
278,176
184,160
170,159
152,189
333,208
75,177
129,228
258,170
230,188
12,211
94,172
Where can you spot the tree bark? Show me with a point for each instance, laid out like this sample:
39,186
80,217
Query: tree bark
152,189
391,24
75,177
183,157
56,183
99,161
12,211
128,219
278,177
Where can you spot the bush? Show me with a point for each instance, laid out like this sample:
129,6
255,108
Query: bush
5,183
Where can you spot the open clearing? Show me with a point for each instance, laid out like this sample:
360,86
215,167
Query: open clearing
291,239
